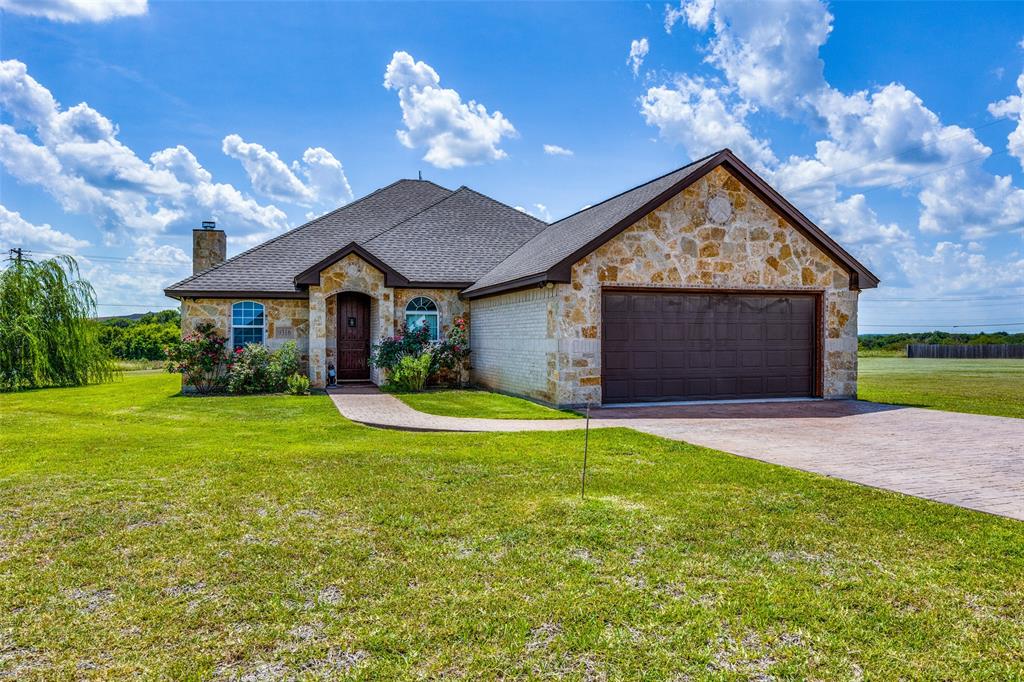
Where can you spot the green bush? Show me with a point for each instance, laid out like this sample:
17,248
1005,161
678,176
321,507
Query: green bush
257,369
407,343
199,358
298,384
411,373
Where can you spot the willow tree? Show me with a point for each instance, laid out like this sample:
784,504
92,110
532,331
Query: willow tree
48,336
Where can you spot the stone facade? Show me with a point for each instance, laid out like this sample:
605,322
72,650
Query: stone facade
675,246
285,319
545,343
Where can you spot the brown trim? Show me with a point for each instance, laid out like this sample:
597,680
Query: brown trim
435,285
186,293
860,276
527,282
819,319
392,277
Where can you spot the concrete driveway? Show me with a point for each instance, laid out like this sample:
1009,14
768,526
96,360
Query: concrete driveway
969,460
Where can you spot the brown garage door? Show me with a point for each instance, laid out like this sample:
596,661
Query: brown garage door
699,346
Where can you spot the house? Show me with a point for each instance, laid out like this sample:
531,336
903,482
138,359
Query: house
703,283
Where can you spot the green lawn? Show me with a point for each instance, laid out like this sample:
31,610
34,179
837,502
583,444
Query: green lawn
148,535
457,403
978,386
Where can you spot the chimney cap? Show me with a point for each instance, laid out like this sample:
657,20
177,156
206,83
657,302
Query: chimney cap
209,225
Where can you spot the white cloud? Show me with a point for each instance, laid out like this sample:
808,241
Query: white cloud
555,150
693,113
454,133
15,231
696,13
638,50
327,185
768,51
1012,108
73,11
76,156
540,212
953,268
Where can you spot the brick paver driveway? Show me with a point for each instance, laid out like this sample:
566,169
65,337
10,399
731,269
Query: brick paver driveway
969,460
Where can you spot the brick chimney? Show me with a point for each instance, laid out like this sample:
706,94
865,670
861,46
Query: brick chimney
209,246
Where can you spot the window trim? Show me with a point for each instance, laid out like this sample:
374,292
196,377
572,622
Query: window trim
436,335
262,327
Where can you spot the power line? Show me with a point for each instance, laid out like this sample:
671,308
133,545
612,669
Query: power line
950,326
943,298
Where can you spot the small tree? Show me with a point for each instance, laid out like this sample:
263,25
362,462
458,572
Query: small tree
48,336
199,358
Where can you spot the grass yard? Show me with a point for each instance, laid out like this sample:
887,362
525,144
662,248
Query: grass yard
458,403
148,535
978,386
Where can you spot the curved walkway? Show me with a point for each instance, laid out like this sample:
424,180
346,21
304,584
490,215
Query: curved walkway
369,405
970,460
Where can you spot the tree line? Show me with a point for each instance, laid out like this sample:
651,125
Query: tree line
140,337
898,342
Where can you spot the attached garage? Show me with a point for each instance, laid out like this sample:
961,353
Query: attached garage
660,345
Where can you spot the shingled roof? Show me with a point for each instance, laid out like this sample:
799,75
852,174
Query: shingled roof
550,255
422,234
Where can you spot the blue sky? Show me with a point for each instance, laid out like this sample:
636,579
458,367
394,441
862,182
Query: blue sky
897,127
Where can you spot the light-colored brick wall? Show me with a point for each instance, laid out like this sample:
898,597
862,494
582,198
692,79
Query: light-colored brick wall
512,337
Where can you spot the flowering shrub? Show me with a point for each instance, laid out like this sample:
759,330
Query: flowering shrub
444,355
452,350
256,369
408,342
199,358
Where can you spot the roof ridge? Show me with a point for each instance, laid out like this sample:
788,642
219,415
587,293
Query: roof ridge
296,229
502,203
420,212
643,184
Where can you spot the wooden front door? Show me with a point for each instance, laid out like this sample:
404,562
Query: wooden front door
353,314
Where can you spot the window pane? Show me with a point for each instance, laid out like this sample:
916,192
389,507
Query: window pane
413,320
247,313
244,335
421,303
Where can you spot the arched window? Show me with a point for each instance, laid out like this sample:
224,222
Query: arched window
246,323
422,311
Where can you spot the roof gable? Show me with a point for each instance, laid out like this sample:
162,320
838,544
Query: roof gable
549,256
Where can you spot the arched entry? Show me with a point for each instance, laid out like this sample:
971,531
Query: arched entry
353,333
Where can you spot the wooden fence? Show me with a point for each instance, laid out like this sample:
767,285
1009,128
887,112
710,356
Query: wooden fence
984,351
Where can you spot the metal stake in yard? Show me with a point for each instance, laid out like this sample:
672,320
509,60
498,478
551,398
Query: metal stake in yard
586,445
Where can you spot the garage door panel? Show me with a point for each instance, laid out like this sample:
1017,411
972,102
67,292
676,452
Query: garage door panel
690,346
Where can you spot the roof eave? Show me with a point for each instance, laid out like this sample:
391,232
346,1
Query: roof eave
860,276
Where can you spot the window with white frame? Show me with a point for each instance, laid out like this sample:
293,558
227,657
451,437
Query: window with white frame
246,323
421,311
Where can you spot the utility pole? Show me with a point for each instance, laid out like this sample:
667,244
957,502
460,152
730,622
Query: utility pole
17,255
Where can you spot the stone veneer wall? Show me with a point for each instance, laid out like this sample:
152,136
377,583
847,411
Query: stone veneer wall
285,320
351,273
546,343
513,343
677,246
